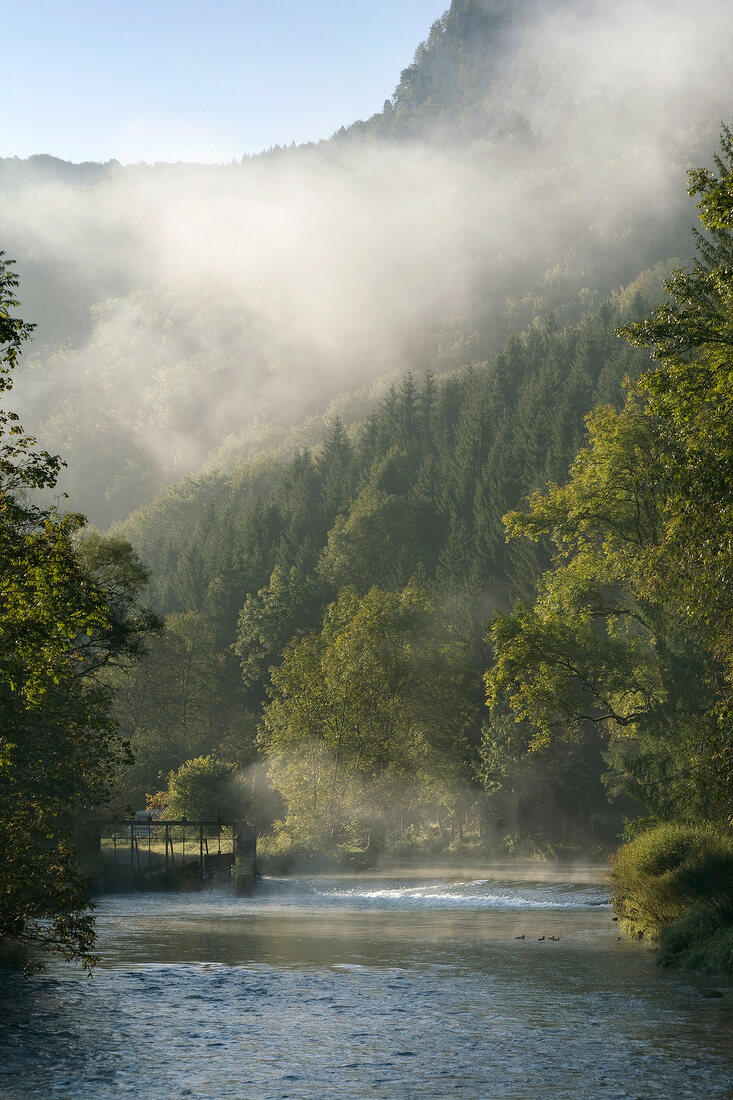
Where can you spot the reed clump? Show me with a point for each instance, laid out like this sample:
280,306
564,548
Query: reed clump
674,885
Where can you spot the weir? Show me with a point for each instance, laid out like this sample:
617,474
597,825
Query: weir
149,854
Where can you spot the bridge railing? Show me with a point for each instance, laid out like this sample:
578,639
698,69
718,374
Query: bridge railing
153,844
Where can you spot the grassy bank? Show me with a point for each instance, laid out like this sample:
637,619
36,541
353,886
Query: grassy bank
278,855
673,885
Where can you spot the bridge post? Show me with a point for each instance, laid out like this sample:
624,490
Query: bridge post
245,858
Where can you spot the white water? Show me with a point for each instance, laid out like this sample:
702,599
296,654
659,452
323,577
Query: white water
356,987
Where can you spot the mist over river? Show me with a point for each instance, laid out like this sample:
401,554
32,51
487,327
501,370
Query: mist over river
378,986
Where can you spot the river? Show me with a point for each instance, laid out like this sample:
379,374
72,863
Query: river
397,986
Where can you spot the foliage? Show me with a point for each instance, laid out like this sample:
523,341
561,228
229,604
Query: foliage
601,644
361,716
204,789
183,700
67,612
662,873
698,941
549,801
280,611
371,545
674,884
632,626
690,391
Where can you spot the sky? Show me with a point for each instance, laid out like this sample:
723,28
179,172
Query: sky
152,80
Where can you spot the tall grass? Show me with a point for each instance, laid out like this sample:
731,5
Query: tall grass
674,885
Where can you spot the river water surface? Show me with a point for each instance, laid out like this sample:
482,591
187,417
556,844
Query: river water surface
399,987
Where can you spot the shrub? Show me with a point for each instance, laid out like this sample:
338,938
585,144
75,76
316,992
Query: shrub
674,884
204,788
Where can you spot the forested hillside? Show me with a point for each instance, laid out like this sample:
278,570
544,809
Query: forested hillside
411,501
530,162
308,388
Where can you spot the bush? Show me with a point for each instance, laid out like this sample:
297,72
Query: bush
698,941
204,789
674,884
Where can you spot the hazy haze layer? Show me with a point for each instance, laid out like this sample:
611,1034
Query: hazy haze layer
191,314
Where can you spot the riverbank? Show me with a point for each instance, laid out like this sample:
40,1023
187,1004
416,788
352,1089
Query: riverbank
275,858
673,886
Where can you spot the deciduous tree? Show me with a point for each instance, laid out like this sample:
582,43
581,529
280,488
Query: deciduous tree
362,715
67,612
633,627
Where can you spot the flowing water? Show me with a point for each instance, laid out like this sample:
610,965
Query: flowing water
367,987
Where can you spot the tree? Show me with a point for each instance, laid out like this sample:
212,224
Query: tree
67,613
691,393
336,467
204,789
363,717
281,611
632,628
176,704
371,544
602,645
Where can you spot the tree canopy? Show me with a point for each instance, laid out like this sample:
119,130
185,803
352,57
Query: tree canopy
632,625
68,610
365,717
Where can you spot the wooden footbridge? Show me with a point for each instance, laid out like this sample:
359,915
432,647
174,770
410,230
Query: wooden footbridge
171,854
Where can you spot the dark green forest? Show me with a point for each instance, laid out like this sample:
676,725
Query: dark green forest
411,500
443,570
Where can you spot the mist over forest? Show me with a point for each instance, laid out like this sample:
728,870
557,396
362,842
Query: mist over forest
412,449
530,160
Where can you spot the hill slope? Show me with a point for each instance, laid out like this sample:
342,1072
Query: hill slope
530,161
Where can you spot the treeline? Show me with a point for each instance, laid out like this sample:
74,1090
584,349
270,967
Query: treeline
406,506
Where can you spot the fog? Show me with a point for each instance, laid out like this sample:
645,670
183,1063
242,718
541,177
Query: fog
189,315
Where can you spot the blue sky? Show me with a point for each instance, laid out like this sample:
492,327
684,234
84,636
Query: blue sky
177,80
